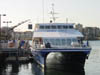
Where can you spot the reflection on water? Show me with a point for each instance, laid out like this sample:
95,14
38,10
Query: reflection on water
20,69
2,68
15,69
37,69
55,72
30,69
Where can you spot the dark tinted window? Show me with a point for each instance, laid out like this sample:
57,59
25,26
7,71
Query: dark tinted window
65,27
47,27
53,27
70,27
30,26
41,27
59,27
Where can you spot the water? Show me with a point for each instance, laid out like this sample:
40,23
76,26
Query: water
92,66
20,69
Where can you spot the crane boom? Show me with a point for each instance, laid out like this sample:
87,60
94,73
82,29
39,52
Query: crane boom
18,24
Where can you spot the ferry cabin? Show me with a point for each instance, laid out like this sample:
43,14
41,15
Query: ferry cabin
56,35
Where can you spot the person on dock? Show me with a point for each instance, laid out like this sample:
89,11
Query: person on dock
21,43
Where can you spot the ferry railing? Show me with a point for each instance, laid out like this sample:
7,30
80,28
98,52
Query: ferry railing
80,46
67,47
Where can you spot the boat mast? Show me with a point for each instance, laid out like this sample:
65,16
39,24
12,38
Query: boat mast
53,13
66,20
43,9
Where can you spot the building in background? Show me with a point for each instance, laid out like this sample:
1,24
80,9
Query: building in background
23,35
91,33
79,27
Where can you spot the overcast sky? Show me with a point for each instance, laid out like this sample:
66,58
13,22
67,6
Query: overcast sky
86,12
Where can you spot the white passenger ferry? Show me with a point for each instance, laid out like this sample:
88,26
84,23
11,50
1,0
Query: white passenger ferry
57,37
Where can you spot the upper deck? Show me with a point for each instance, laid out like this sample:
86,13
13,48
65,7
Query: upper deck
56,30
54,26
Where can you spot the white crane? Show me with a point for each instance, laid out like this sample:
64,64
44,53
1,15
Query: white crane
19,24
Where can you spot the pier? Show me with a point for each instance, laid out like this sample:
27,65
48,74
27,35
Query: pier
13,54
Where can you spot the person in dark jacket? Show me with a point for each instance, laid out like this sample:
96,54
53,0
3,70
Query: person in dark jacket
47,45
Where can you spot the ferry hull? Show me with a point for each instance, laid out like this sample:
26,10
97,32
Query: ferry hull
70,59
71,62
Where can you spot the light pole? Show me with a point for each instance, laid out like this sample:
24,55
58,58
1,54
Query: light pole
7,27
0,22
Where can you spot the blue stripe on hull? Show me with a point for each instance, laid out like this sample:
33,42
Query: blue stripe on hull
65,50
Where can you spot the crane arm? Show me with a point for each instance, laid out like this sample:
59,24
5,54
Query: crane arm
18,24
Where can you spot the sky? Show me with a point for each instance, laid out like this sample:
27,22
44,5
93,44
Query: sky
86,12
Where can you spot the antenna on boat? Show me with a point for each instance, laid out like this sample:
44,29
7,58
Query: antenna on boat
66,20
53,13
43,9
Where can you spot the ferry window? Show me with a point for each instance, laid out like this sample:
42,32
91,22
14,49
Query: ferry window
53,27
47,27
41,27
63,41
70,27
58,42
65,27
45,40
74,40
36,42
52,41
59,27
69,42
